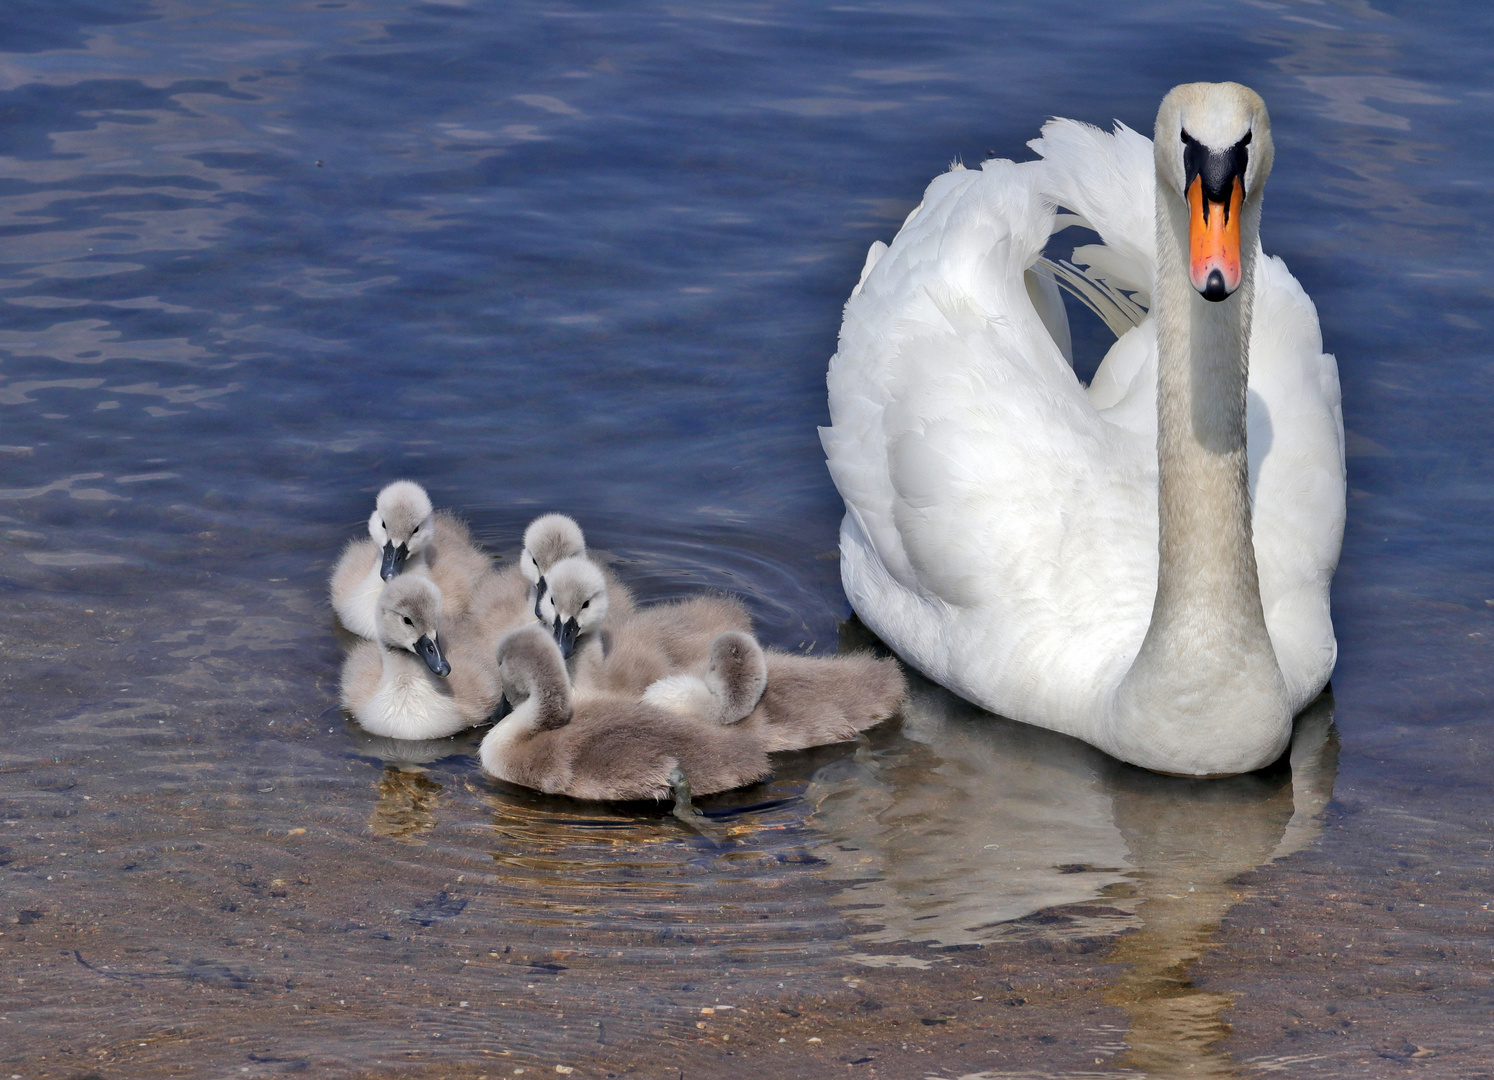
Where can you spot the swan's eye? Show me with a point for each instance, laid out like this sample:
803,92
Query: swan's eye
1246,140
1188,140
415,530
409,621
586,605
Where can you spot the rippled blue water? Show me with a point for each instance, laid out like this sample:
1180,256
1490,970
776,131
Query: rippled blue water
261,258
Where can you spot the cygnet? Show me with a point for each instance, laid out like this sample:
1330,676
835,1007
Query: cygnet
729,690
418,682
791,702
406,535
604,746
551,538
817,700
548,539
662,640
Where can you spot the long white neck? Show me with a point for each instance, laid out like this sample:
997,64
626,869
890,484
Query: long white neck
1205,684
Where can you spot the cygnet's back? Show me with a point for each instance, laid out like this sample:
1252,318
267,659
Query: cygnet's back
604,746
817,700
663,640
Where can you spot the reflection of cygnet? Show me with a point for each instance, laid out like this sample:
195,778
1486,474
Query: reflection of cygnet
400,686
605,747
406,536
790,702
729,690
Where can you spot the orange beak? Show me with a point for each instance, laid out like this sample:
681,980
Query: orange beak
1214,241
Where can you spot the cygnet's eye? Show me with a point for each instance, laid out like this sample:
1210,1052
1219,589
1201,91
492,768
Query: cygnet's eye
586,605
409,621
415,530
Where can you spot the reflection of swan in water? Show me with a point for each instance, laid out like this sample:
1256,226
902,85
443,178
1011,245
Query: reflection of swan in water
965,828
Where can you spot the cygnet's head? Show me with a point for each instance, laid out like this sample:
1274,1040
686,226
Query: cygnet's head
402,524
410,619
1213,151
549,538
737,676
530,666
575,602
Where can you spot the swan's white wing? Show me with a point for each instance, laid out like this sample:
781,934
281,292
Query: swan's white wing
1010,532
1109,180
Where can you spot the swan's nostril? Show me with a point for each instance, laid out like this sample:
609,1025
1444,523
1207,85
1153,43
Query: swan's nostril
1214,288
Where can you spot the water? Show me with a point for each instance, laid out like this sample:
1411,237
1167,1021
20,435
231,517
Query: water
259,259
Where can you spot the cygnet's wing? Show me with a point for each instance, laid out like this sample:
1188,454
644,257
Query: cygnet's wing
355,586
625,749
361,672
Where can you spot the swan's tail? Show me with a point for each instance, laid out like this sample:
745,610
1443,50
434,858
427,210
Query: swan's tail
815,700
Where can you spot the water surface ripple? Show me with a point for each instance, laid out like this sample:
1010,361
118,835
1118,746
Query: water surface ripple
257,260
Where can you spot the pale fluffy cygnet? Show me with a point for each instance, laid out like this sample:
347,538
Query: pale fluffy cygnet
818,700
406,535
605,747
420,681
791,702
729,690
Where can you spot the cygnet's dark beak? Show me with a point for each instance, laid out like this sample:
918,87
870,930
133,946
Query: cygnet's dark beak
565,636
427,649
539,594
503,709
394,560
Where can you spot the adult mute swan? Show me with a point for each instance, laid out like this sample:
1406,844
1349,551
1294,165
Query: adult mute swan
1117,562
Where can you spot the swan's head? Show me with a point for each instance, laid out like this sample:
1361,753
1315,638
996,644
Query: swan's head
410,619
401,524
575,602
1213,151
549,538
531,669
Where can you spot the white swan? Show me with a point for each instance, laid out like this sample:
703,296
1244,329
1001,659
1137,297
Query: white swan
1003,522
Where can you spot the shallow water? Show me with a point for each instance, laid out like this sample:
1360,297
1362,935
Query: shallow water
260,259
